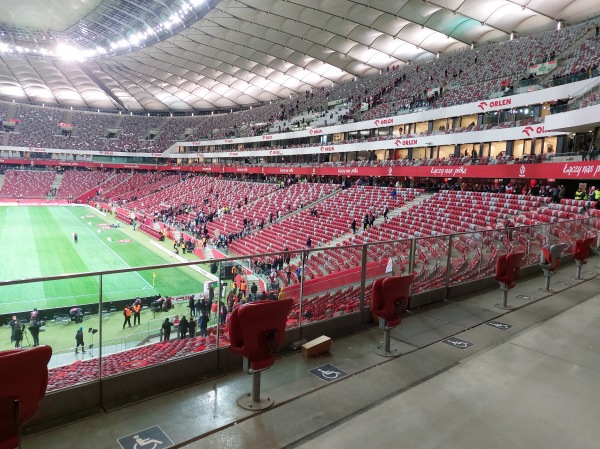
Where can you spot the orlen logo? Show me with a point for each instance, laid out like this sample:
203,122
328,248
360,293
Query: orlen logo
316,131
233,154
267,137
494,104
530,130
387,121
405,142
275,152
522,171
327,149
228,140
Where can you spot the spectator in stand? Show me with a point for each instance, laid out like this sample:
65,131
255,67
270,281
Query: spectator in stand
191,306
192,328
580,194
183,327
555,198
166,327
222,313
593,152
199,307
562,192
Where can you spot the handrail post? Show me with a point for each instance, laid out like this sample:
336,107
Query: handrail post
448,265
303,257
363,284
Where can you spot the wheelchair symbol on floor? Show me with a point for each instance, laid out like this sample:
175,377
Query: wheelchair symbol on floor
458,343
144,443
152,438
327,374
498,325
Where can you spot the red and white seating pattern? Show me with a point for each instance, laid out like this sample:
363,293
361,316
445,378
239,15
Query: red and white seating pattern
27,184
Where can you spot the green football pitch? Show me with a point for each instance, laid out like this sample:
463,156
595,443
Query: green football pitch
38,242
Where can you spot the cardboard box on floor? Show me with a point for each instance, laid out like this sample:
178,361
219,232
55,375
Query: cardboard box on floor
316,346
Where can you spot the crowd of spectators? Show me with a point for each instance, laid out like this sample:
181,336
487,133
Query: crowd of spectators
450,79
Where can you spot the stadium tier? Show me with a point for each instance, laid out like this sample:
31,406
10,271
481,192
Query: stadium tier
242,190
453,79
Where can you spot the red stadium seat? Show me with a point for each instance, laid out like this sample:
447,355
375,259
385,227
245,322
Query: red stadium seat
550,260
256,329
507,272
24,381
390,300
583,248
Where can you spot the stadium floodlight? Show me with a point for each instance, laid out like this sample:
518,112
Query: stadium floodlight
68,52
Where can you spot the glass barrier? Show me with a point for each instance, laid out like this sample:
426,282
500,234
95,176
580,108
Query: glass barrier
430,263
331,283
465,257
133,318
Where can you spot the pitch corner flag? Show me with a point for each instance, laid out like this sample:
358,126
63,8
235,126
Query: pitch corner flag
153,277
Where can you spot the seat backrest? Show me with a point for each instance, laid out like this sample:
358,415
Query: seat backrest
583,248
390,298
24,379
513,265
501,268
550,257
258,328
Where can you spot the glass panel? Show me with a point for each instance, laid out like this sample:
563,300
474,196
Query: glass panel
148,328
64,306
467,257
538,238
430,263
567,232
331,286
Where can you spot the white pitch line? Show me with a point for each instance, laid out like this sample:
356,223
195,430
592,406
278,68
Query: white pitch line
68,297
111,250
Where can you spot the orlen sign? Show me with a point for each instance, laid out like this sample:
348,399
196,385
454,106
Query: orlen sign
406,142
327,149
383,122
316,131
267,137
529,130
483,105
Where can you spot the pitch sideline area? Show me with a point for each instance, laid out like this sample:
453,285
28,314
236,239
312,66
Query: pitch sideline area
38,241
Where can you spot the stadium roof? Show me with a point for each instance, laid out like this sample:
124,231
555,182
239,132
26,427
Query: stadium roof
178,55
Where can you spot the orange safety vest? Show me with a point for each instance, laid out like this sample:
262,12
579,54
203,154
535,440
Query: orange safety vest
243,286
137,308
127,311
